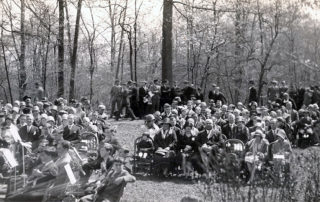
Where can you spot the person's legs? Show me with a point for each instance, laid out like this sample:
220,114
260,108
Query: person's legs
113,104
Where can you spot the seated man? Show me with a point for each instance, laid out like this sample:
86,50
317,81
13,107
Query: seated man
47,170
112,186
71,132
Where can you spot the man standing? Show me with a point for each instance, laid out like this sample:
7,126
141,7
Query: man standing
187,92
155,99
126,101
175,91
273,91
39,92
283,89
212,93
115,97
143,102
165,93
134,99
252,92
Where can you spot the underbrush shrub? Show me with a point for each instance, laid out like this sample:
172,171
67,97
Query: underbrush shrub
301,184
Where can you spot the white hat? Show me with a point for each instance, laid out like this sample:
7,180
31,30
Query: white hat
15,109
50,118
281,133
102,107
44,116
64,117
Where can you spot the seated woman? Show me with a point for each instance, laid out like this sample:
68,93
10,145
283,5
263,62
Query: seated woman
281,151
164,143
112,186
256,151
145,146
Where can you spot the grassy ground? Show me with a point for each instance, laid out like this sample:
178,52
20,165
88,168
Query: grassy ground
151,189
175,189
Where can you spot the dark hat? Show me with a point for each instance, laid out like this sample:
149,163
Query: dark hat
146,133
73,101
166,121
251,82
117,80
129,82
44,99
26,97
150,117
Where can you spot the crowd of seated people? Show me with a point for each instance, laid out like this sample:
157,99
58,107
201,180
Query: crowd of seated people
45,139
187,135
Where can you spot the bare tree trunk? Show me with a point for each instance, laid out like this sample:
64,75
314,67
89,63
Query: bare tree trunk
122,61
130,54
113,35
61,50
22,70
6,68
135,40
239,70
167,41
44,72
121,41
74,52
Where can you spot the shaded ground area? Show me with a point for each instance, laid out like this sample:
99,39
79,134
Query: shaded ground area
150,188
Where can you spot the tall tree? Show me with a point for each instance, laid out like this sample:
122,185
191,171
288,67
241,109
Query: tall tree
167,40
74,52
61,50
22,70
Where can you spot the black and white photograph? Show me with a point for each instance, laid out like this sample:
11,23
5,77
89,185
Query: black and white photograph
159,100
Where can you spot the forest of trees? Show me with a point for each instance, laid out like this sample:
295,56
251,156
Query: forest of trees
78,48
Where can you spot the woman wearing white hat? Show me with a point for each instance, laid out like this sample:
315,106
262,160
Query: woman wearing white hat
256,151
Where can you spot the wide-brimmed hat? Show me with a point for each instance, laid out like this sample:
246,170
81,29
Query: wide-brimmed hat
281,133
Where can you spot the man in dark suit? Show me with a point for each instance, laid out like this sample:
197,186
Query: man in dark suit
115,97
228,129
211,94
252,92
30,133
241,132
71,132
208,142
219,96
143,92
187,92
165,93
271,135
